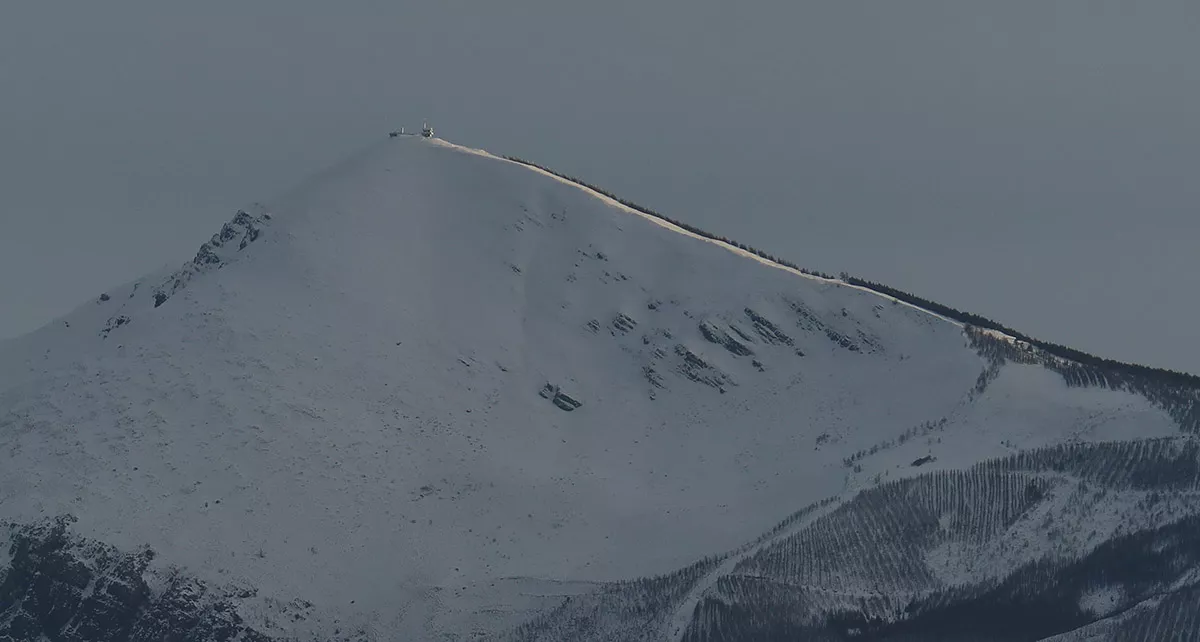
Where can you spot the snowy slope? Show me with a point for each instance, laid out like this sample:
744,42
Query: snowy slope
431,391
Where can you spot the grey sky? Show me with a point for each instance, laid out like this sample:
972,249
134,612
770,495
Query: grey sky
1028,161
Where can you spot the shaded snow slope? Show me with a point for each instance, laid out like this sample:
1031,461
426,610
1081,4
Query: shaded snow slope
429,385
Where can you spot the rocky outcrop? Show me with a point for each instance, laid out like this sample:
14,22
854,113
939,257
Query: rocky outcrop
768,331
653,377
806,319
559,398
60,587
719,336
566,402
112,324
235,236
696,369
810,321
623,323
741,333
842,340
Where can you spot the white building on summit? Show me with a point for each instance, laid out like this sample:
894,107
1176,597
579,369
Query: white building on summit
426,131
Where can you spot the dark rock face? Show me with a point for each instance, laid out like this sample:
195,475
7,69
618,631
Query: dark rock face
238,233
623,323
695,368
113,324
806,319
842,340
64,588
745,336
559,398
653,377
722,338
566,402
841,329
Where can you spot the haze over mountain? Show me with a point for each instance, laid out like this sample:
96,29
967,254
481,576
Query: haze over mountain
985,156
436,394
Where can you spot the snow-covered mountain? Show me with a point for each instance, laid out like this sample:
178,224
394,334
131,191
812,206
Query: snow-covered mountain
436,394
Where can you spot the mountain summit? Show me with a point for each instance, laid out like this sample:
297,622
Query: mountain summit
436,394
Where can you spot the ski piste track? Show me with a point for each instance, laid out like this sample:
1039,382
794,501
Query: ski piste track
677,626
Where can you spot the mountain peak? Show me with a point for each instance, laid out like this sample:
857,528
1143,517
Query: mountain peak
431,379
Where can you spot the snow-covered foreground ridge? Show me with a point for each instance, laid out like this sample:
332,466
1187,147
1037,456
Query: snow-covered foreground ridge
435,394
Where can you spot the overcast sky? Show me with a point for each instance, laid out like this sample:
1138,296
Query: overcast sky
1029,161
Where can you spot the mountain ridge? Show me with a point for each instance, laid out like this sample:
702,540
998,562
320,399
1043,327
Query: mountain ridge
935,308
938,309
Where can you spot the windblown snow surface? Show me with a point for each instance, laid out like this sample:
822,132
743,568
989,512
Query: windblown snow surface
434,394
